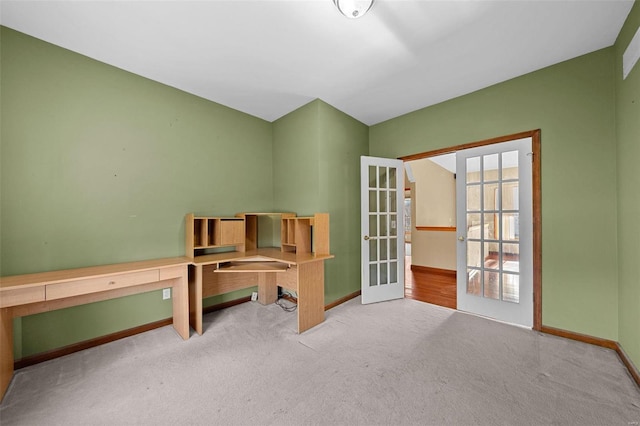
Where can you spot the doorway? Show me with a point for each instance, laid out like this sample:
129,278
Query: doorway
432,277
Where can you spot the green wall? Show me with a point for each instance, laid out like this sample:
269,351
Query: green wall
316,163
100,166
628,134
573,103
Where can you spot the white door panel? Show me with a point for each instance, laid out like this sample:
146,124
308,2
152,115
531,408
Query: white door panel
495,231
382,237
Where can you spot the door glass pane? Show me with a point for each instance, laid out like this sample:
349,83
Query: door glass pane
373,201
383,225
473,225
474,282
393,201
473,169
392,177
511,257
490,167
491,226
383,273
373,274
382,174
474,253
491,196
373,175
373,250
393,272
511,288
383,248
473,197
373,225
491,256
383,201
491,285
393,249
393,219
510,165
509,196
511,226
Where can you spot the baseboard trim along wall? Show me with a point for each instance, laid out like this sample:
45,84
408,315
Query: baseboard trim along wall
605,343
342,300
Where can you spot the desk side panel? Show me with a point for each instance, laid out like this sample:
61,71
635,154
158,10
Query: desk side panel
310,295
6,350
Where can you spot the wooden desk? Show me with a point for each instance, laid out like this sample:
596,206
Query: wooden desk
221,273
22,295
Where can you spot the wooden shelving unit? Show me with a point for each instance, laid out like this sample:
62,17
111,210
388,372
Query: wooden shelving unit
297,234
305,234
206,232
251,227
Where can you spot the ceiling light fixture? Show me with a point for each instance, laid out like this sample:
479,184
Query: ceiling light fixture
353,9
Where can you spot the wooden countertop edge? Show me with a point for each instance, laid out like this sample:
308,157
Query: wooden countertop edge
52,277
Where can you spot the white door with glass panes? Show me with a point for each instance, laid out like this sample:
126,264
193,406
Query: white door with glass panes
495,231
382,238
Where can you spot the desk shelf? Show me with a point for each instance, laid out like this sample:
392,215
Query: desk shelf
205,232
305,234
298,235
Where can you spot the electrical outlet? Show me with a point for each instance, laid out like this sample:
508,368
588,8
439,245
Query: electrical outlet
254,296
166,293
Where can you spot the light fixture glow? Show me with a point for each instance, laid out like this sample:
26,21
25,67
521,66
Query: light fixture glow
353,9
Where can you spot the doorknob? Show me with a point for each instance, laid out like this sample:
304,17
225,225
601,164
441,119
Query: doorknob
460,238
366,238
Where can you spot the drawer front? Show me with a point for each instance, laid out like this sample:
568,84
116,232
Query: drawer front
21,296
94,285
173,272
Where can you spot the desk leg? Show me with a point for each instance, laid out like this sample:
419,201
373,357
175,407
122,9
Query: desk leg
181,304
267,288
310,295
6,350
195,299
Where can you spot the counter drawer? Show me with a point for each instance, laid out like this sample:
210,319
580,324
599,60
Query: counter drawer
94,285
173,272
21,296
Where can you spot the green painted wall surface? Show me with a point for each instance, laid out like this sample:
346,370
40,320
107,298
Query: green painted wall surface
100,166
316,163
574,104
628,134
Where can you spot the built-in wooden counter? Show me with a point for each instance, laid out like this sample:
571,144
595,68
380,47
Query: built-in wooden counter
22,295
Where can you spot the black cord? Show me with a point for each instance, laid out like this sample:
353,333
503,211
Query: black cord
284,306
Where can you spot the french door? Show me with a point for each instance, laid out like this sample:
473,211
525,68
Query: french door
382,237
495,231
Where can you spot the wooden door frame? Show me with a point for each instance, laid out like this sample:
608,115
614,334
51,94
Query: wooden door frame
536,181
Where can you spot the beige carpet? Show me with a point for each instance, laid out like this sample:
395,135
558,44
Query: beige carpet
395,363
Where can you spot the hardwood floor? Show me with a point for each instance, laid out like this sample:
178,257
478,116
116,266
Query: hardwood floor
431,286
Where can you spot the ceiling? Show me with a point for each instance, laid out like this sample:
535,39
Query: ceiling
268,58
